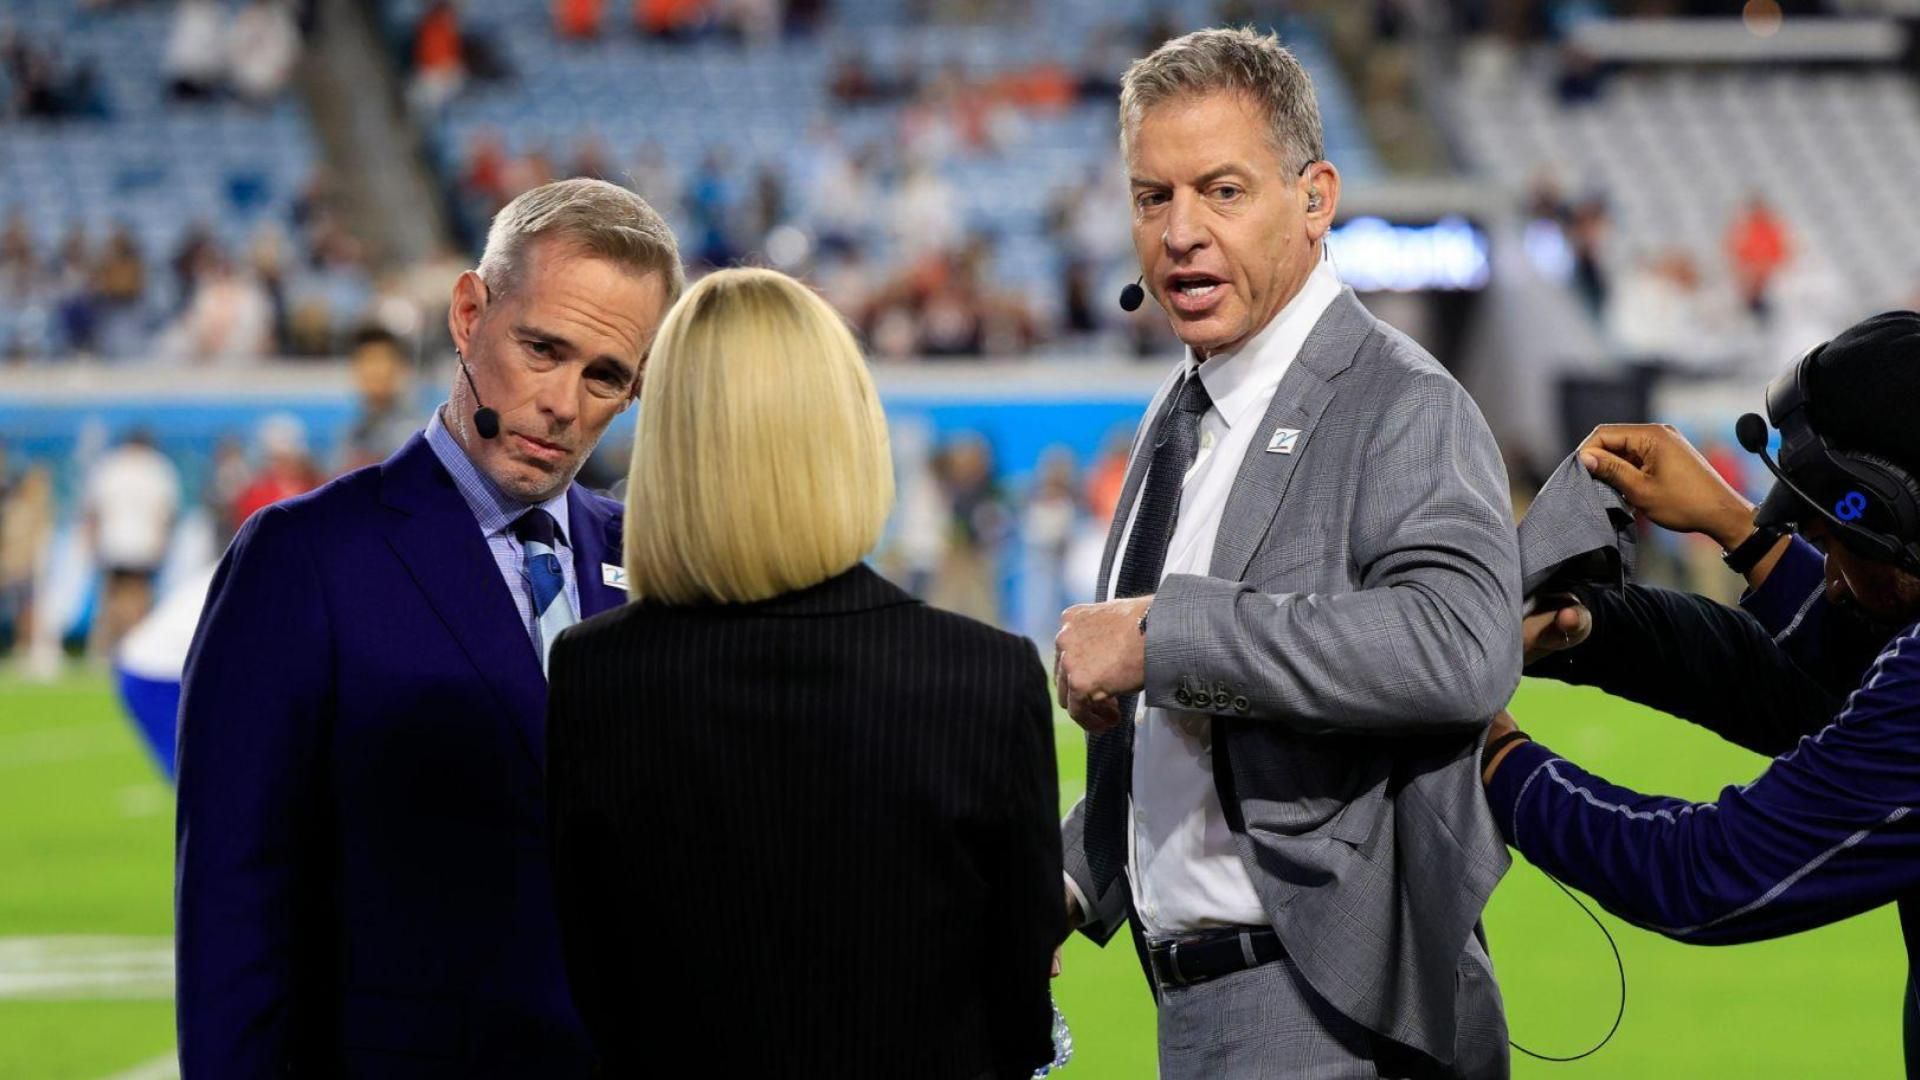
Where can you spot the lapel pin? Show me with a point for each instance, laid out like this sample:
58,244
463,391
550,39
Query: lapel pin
613,576
1283,441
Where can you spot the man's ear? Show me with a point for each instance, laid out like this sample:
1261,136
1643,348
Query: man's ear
1320,198
469,304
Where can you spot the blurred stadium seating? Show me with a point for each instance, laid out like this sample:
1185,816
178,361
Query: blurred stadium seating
1677,153
689,101
159,167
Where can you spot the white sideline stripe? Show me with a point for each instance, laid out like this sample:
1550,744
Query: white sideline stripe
86,968
164,1067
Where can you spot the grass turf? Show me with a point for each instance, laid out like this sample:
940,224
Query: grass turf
86,843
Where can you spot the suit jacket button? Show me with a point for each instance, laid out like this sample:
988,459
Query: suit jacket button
1221,698
1182,698
1241,704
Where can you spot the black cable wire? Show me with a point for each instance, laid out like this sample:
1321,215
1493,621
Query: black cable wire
1618,965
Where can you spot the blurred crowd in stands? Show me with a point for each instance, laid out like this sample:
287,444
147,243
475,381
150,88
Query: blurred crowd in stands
879,225
296,288
879,222
1765,298
247,54
38,82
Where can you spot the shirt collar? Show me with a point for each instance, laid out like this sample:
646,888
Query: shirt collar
1237,380
495,510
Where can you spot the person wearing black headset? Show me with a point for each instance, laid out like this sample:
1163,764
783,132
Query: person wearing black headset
1820,667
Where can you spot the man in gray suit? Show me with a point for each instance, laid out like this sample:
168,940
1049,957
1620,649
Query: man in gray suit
1319,604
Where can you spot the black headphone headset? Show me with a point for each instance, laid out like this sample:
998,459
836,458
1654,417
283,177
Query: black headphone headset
1872,504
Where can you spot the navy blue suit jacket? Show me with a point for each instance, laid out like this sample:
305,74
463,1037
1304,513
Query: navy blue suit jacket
362,879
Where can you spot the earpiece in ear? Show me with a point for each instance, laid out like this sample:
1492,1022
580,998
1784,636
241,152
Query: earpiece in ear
1313,200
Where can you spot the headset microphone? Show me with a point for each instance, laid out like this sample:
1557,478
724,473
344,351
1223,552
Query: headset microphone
1133,296
485,420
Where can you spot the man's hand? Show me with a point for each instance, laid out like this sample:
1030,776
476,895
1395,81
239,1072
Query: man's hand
1100,656
1664,477
1547,632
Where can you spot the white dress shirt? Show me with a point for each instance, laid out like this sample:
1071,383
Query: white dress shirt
1185,872
496,511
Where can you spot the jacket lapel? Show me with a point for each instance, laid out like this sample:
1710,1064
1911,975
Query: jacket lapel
440,544
594,526
1303,394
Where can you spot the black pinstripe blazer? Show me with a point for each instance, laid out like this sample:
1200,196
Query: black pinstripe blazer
814,835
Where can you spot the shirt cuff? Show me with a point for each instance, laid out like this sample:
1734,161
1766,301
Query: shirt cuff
1510,780
1086,909
1800,574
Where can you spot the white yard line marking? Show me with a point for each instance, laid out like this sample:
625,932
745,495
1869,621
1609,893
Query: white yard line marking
71,968
164,1067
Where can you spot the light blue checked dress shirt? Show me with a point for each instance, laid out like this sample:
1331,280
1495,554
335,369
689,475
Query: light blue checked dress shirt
496,512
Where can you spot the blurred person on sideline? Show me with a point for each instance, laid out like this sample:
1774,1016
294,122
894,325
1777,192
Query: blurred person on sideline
286,468
1315,585
363,885
1049,523
26,534
386,419
1819,666
130,505
228,476
977,524
908,872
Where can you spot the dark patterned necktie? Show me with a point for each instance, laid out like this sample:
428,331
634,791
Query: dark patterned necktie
1176,439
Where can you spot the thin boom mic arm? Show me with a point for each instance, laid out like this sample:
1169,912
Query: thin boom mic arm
485,420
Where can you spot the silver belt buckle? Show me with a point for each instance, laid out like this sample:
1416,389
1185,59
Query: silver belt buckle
1173,964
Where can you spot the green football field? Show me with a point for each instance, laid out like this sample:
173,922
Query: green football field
86,842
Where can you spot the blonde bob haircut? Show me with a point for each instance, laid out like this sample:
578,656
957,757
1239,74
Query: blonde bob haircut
761,462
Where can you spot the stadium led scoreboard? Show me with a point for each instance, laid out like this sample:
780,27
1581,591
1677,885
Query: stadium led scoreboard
1377,255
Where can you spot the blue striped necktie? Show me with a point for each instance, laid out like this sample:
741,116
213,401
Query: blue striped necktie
536,532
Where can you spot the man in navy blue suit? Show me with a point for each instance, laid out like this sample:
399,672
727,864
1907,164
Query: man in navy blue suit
362,876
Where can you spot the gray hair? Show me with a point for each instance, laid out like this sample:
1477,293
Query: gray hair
1237,60
597,217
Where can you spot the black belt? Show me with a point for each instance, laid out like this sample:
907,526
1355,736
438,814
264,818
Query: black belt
1197,958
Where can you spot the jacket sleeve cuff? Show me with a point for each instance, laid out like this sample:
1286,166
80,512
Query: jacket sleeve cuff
1080,898
1177,629
1798,577
1519,771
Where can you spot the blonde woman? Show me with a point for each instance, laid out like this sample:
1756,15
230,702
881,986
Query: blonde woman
803,824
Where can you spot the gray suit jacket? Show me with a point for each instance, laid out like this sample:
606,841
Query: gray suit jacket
1359,626
1577,530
